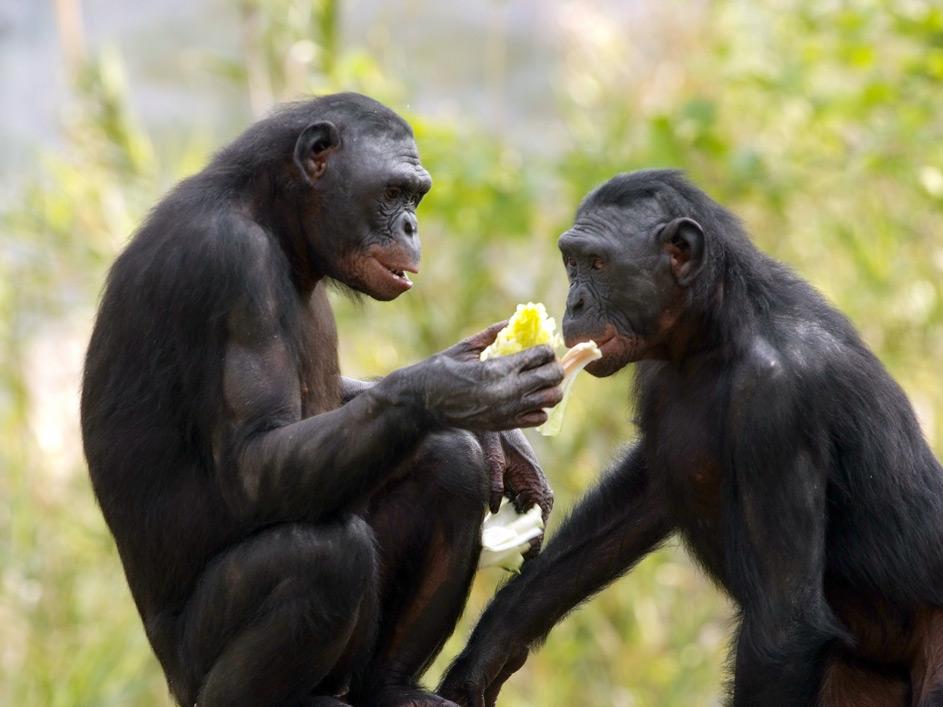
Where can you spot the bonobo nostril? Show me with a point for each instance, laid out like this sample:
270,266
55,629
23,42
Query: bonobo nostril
409,224
574,301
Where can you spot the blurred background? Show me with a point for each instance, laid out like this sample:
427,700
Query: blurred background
819,121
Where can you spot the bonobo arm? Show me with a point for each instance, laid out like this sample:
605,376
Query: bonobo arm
775,542
515,471
325,463
352,387
614,526
273,465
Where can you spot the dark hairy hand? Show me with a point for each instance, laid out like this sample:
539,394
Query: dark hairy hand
502,393
516,473
475,678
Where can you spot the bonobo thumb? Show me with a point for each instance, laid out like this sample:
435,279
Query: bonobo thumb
471,348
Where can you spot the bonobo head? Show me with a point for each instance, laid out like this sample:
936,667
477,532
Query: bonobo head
633,255
346,182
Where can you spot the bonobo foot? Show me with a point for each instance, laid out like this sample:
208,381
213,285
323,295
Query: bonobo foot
394,696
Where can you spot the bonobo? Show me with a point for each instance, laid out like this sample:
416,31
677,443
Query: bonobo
770,439
292,537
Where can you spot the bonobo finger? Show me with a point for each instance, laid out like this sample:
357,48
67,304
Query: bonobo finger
535,545
533,357
480,341
497,463
542,398
523,502
546,377
533,418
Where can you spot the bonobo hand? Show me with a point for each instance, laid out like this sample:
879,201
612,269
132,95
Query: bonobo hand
502,393
475,677
516,473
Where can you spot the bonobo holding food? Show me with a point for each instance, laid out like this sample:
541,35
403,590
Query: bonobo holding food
291,536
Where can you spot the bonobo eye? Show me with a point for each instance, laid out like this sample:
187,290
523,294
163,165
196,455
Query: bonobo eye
597,263
393,193
570,261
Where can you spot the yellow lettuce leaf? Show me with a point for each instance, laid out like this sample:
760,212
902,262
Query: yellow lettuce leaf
528,326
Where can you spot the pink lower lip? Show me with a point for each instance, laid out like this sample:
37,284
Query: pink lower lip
401,282
601,343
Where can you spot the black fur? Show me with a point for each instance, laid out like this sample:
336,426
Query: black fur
771,439
288,535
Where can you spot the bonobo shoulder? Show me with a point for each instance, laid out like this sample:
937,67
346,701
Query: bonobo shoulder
245,237
764,359
810,346
790,351
219,260
232,246
763,366
255,261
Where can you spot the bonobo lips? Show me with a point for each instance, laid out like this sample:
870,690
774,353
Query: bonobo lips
602,338
394,272
612,348
607,342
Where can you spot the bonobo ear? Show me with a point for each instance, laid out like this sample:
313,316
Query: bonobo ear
683,240
312,148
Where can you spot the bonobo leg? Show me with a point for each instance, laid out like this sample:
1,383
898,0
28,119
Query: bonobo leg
427,523
270,618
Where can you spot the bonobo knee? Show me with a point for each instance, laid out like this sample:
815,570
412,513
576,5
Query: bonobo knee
339,563
356,552
454,462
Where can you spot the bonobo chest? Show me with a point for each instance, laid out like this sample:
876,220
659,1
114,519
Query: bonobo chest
319,370
682,419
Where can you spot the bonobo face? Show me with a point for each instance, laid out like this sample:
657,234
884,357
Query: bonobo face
628,267
369,183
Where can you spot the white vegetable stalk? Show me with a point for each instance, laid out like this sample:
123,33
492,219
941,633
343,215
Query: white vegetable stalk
573,361
506,536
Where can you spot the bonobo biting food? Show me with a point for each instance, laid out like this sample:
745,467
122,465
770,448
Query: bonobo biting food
771,440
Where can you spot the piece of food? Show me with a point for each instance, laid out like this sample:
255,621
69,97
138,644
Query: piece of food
506,536
528,326
574,361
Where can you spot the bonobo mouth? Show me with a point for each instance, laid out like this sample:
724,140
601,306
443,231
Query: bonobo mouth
390,273
615,351
603,338
606,342
400,273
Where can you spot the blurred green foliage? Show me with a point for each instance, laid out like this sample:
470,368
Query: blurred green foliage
818,121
